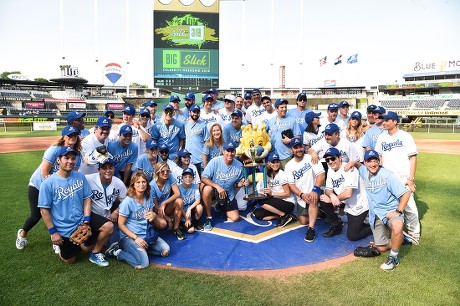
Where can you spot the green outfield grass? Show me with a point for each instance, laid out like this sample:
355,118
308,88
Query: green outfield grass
428,273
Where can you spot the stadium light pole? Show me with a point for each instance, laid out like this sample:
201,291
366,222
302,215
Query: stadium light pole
301,45
127,48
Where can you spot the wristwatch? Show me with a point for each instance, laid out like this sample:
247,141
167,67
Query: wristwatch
399,211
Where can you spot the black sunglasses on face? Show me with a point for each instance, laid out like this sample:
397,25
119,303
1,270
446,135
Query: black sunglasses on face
331,159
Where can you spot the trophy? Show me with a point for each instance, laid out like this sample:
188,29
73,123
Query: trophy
257,161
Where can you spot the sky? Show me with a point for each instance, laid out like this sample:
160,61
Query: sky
256,38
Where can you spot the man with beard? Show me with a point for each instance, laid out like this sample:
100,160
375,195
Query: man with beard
256,109
196,134
300,111
189,102
90,143
373,133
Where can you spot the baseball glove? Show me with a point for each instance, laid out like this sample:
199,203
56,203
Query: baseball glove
368,251
81,234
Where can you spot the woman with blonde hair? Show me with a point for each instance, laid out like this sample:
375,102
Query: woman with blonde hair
214,144
138,237
354,132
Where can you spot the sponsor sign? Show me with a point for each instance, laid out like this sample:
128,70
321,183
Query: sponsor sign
45,126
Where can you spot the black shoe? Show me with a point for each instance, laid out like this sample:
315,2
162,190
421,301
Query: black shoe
334,230
310,236
197,225
285,220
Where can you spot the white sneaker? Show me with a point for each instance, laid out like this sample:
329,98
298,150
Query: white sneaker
20,242
57,249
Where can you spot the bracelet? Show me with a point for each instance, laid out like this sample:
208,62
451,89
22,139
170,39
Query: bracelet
411,179
300,195
135,237
52,230
399,211
86,219
316,189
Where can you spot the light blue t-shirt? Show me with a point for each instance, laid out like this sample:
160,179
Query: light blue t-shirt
274,129
370,138
223,175
143,163
83,133
122,156
231,134
64,197
165,192
383,192
135,215
189,195
169,135
196,133
212,152
51,154
299,117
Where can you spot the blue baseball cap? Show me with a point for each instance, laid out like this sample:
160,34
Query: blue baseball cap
301,96
168,106
107,161
66,149
310,116
164,147
188,171
332,106
212,90
183,153
356,115
189,96
194,108
130,110
103,122
126,129
248,96
379,109
207,97
150,103
144,111
332,152
151,143
230,145
390,115
69,130
74,115
256,90
371,154
237,112
281,101
174,98
295,141
108,111
273,156
344,104
371,108
331,128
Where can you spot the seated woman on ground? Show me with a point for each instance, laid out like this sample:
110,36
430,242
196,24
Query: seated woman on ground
191,196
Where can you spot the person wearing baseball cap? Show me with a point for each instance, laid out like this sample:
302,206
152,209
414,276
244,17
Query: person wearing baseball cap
196,133
398,154
232,131
344,189
189,102
77,120
373,133
342,118
152,107
311,134
190,194
305,180
332,113
109,114
62,221
147,161
139,133
370,117
270,112
354,132
280,202
207,114
247,101
183,161
169,131
216,105
387,198
281,130
226,112
256,109
222,178
125,153
300,111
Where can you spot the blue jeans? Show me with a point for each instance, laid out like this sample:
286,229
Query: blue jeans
138,257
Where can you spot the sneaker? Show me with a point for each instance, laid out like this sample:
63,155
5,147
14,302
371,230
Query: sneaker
334,230
285,220
20,242
178,233
310,236
98,259
208,224
390,264
57,249
408,239
197,225
113,250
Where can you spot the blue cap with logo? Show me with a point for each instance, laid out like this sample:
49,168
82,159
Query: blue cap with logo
130,110
151,143
168,107
356,115
150,103
208,97
107,111
332,106
237,112
310,116
103,122
302,96
391,115
371,108
107,161
174,98
188,171
344,104
126,129
256,90
379,109
331,128
66,149
144,111
189,96
248,96
164,147
183,153
69,130
281,101
230,145
295,141
273,156
371,154
194,108
332,152
213,90
74,115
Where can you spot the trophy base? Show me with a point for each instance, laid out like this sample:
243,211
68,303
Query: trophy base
254,197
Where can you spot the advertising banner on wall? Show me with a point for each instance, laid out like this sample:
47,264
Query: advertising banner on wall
186,44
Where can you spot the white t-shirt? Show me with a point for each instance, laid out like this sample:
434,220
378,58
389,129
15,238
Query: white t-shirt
358,144
339,181
346,148
303,174
88,144
276,185
177,173
253,113
102,199
263,119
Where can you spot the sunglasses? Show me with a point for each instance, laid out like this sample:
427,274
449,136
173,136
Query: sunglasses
331,159
165,171
145,116
110,116
168,111
164,151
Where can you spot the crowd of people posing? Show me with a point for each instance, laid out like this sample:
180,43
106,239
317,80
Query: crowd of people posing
153,173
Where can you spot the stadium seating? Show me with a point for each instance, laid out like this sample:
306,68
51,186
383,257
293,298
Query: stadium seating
430,104
396,103
453,104
15,95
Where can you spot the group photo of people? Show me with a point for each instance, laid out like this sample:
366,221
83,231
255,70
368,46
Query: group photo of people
171,170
